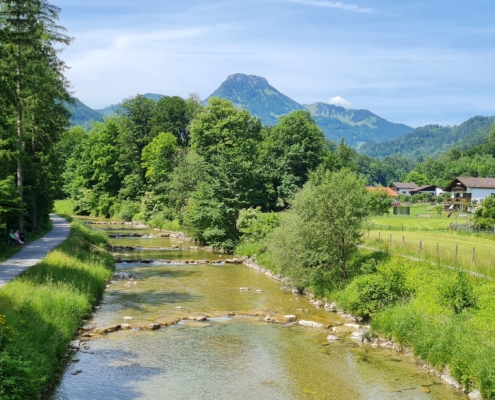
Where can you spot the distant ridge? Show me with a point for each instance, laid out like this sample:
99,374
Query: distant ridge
262,100
434,139
356,126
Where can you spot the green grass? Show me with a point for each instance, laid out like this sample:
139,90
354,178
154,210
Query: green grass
42,310
446,317
439,247
64,207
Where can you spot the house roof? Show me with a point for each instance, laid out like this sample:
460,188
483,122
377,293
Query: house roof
425,188
405,185
390,192
480,183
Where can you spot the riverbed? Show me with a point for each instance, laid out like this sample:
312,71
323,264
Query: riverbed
234,353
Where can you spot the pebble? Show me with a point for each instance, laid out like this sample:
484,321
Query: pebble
128,318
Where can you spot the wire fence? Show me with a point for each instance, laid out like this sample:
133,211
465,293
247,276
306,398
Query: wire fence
479,258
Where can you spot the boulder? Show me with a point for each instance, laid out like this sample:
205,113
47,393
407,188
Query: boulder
359,335
290,318
311,324
154,327
125,326
128,318
75,344
332,338
201,318
267,318
475,395
331,307
244,288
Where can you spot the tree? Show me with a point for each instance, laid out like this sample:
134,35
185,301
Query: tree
379,201
484,213
171,114
228,141
318,235
417,178
157,159
34,86
291,149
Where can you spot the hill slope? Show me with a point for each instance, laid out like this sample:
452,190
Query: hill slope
82,114
433,139
354,125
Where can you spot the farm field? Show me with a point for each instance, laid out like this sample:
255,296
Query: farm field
444,247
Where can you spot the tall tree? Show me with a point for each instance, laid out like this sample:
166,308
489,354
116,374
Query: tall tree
32,81
292,149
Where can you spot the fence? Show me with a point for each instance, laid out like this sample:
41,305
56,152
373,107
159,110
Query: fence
479,258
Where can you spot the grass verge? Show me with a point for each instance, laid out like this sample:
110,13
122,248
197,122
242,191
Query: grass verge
446,317
42,310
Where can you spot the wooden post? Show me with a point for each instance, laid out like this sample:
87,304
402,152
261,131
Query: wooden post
390,239
379,235
420,244
390,227
472,258
403,240
368,233
437,248
456,250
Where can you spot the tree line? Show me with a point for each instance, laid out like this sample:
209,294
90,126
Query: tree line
32,115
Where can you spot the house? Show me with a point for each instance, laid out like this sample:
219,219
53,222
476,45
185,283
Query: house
389,191
467,191
403,188
434,190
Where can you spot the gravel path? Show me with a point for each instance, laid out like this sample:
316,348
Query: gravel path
34,252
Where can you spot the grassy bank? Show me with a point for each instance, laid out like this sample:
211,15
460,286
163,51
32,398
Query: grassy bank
446,317
42,309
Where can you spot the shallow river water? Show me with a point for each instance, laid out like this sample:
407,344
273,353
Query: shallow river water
236,357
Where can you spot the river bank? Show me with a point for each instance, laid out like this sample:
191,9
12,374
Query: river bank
443,317
42,310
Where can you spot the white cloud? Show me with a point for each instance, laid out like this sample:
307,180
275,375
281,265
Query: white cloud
333,4
339,101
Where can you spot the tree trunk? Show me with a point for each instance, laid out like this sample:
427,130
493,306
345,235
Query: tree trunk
20,176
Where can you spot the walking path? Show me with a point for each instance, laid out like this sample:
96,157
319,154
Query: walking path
34,252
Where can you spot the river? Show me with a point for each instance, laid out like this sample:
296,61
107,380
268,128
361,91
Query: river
225,357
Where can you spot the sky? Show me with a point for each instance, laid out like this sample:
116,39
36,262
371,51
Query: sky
413,62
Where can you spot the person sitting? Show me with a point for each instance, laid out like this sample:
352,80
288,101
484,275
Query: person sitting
18,238
11,237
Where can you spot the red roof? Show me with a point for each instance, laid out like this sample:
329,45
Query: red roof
389,191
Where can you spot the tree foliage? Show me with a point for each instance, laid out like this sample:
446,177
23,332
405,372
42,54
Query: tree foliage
319,233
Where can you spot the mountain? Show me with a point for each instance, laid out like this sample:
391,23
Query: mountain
82,114
256,95
112,109
357,126
433,139
262,100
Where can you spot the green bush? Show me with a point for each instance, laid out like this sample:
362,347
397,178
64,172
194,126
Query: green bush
370,293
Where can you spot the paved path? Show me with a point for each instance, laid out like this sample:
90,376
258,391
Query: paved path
34,252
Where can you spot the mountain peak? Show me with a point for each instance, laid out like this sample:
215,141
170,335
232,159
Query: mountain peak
256,95
247,79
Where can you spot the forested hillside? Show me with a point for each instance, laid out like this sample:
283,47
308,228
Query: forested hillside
356,126
476,162
82,115
433,139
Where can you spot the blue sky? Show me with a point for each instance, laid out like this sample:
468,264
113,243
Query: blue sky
414,62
